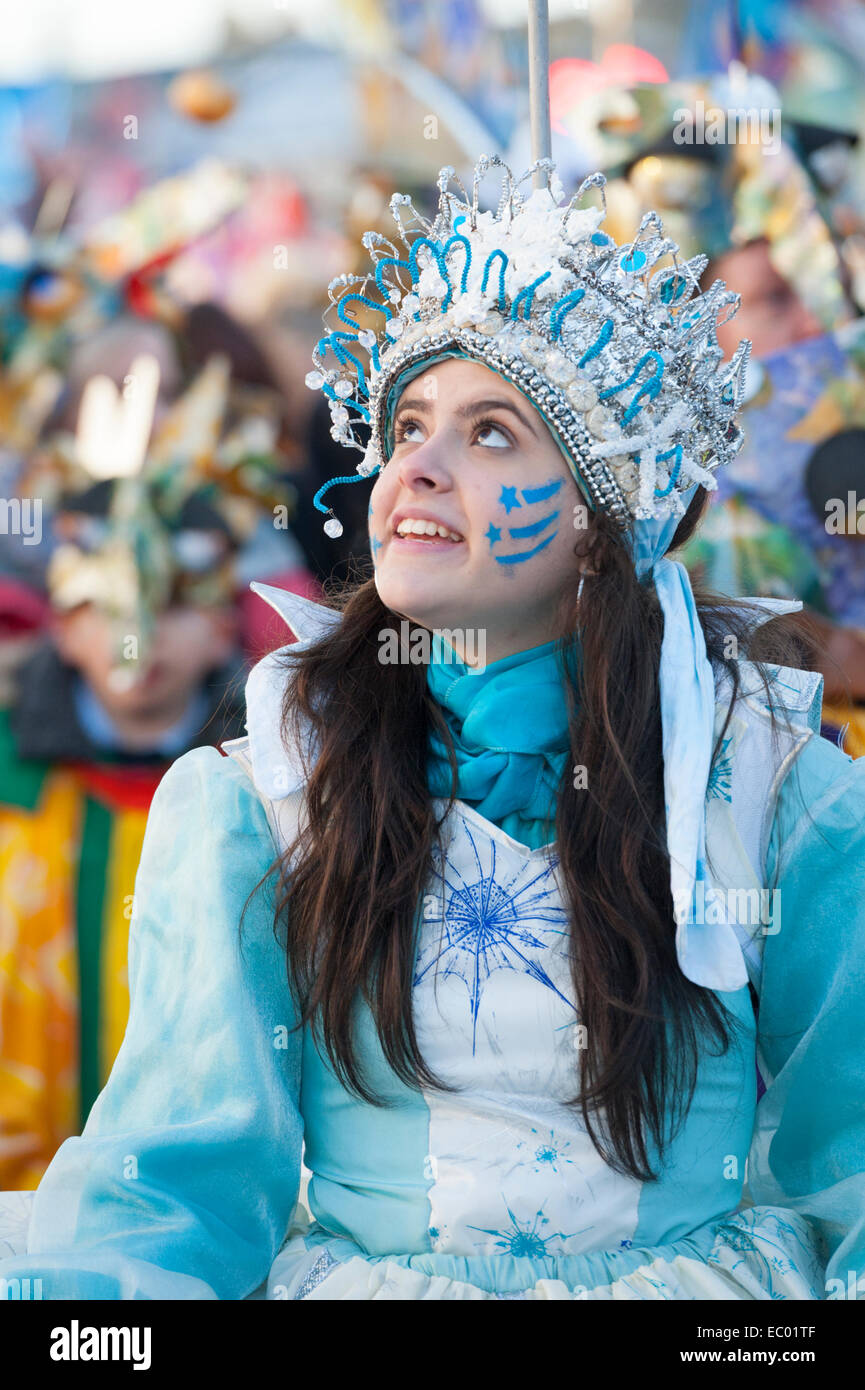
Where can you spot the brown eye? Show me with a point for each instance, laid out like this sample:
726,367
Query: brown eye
404,430
496,437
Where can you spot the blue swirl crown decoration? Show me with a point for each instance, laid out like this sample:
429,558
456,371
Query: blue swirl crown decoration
616,346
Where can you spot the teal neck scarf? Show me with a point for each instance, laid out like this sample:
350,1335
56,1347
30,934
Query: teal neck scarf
509,725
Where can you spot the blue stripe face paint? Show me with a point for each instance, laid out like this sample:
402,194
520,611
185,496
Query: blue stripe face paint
541,494
519,533
375,544
526,554
531,497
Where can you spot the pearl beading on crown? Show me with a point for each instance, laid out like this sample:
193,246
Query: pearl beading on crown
618,353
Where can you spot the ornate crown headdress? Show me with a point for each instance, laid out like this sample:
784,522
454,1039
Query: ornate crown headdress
616,347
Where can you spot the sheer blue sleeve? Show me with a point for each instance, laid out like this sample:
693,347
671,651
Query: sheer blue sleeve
809,1147
185,1178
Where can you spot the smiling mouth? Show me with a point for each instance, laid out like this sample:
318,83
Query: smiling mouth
427,532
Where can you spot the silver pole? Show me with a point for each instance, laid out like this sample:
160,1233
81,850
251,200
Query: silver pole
539,85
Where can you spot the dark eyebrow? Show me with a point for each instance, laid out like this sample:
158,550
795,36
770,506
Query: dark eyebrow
467,412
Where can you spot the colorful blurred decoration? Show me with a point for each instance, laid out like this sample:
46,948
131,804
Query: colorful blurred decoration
209,234
49,300
814,56
166,217
592,103
139,557
710,156
813,52
246,241
593,115
58,288
269,254
51,295
738,551
29,390
202,96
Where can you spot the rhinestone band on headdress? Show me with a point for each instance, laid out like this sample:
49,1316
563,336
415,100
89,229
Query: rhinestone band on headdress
539,294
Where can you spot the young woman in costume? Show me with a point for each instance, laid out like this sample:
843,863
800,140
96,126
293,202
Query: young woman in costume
569,924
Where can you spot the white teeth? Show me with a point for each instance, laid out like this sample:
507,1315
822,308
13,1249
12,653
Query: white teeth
411,527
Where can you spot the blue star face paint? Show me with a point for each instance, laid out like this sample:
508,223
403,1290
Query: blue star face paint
531,497
508,499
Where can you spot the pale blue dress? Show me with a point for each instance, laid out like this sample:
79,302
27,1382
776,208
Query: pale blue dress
186,1180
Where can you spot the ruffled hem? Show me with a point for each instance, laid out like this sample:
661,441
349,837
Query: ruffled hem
759,1254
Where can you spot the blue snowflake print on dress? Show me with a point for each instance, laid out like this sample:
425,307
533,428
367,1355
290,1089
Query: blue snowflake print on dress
545,1154
774,1249
720,782
438,1236
494,1017
490,926
524,1237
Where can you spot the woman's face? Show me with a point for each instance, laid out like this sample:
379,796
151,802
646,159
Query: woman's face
472,454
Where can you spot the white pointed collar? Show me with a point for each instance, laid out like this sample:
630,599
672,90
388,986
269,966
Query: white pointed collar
303,616
277,770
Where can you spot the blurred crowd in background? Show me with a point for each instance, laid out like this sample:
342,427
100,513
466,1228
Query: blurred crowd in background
176,192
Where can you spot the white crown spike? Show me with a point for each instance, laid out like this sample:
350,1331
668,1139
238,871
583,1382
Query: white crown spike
694,270
734,378
598,181
546,164
615,348
483,166
397,201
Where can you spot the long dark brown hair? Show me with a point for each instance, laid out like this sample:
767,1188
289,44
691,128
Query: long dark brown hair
346,909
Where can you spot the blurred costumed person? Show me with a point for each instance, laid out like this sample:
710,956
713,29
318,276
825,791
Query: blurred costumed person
518,815
746,198
142,663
